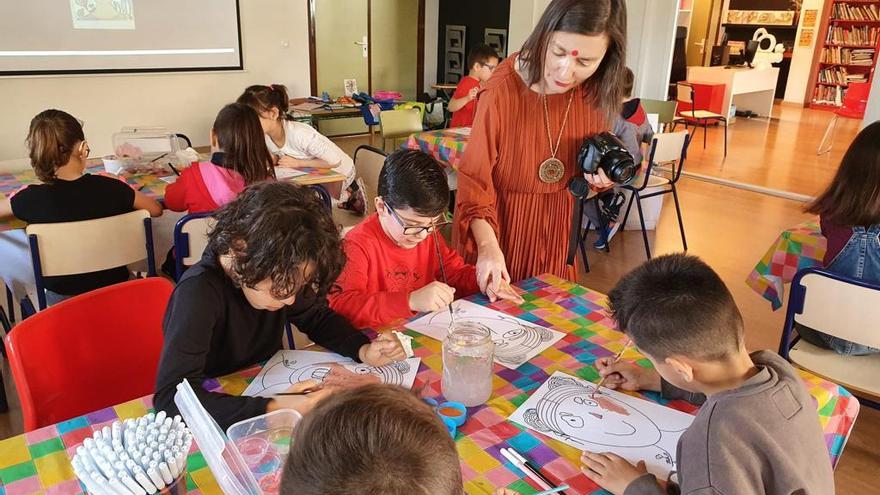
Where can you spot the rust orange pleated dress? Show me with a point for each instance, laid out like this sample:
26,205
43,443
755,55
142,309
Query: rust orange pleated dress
498,176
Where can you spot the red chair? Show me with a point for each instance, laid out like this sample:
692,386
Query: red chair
855,101
89,352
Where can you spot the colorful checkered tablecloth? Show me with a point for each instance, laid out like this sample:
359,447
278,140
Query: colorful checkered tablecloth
39,460
802,246
446,145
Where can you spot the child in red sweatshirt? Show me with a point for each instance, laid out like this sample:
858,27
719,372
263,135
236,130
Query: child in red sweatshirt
395,256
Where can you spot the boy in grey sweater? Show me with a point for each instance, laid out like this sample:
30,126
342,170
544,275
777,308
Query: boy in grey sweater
757,431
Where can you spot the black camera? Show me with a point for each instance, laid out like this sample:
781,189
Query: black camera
606,152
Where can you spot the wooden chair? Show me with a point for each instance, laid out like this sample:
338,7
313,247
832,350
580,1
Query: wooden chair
665,110
368,162
190,240
399,124
72,248
842,307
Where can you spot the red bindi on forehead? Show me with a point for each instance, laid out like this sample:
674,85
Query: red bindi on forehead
574,53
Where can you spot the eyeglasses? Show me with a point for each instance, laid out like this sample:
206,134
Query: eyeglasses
414,230
490,66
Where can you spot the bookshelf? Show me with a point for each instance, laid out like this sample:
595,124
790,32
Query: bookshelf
846,50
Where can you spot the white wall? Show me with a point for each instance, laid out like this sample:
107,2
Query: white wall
650,32
184,102
650,36
798,84
432,37
872,113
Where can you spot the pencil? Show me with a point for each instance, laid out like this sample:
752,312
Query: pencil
443,272
554,490
304,392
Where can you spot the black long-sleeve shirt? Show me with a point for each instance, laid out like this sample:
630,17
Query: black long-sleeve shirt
211,330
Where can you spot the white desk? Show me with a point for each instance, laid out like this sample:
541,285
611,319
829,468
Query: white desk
748,89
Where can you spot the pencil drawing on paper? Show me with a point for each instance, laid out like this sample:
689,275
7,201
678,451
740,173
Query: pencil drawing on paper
567,409
516,340
289,367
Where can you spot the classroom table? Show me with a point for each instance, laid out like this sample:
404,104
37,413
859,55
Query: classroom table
799,247
315,116
40,460
445,145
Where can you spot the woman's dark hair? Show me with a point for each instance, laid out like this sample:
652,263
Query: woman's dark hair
481,54
677,305
592,18
52,137
264,98
272,230
853,197
376,439
414,179
240,136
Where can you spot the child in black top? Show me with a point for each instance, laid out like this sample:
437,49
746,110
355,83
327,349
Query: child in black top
58,153
271,257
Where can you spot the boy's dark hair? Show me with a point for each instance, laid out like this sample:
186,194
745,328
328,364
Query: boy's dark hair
629,80
413,179
592,18
481,54
264,98
272,229
51,139
677,305
240,136
376,439
853,197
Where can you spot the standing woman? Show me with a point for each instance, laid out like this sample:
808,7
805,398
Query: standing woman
513,212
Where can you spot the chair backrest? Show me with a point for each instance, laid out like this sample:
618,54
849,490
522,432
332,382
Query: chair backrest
855,101
664,109
369,162
840,306
191,239
400,123
89,352
667,148
685,96
71,248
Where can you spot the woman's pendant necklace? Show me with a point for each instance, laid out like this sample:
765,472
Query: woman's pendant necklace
552,170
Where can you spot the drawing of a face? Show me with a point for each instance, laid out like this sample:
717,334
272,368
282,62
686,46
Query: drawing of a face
391,373
514,344
607,421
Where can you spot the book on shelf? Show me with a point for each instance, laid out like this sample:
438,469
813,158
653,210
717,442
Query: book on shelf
853,35
850,12
847,56
829,95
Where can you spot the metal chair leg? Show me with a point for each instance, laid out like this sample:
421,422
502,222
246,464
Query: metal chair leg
725,137
828,136
642,223
680,221
705,130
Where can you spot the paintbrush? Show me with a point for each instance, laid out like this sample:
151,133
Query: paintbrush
443,273
616,359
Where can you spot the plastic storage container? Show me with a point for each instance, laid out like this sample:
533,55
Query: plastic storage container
264,442
250,459
138,148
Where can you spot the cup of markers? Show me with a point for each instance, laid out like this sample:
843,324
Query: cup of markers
137,456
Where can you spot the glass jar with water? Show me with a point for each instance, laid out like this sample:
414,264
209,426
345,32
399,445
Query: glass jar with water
468,351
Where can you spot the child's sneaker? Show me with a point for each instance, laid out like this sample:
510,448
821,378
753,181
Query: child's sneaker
602,240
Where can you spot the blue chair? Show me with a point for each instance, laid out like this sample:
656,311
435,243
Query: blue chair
73,248
842,307
190,240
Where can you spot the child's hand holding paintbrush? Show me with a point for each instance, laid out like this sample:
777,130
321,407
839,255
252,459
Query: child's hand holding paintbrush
626,375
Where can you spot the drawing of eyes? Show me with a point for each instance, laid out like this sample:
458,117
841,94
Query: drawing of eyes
516,332
362,370
572,420
585,402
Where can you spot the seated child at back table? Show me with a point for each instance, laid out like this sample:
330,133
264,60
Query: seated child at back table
376,439
395,255
271,256
239,158
756,432
482,60
59,151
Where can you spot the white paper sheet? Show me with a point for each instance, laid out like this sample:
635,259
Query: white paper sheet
516,340
282,173
289,367
633,428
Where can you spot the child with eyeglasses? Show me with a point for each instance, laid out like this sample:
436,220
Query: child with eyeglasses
391,272
482,60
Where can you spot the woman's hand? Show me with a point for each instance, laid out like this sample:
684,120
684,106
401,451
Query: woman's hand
385,349
492,273
507,293
599,181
